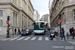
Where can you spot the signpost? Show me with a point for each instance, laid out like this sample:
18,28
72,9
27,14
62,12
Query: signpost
60,21
8,25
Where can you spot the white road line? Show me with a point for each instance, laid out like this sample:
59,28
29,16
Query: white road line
27,38
13,39
72,42
20,38
40,38
54,39
46,38
33,38
5,39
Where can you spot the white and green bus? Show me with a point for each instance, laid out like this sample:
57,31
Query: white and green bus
39,27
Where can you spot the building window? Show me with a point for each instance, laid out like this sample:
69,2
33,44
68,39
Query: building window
74,14
1,13
1,22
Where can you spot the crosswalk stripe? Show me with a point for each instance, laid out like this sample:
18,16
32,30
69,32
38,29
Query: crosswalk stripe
54,39
5,39
33,38
46,38
40,38
13,39
20,38
72,42
27,38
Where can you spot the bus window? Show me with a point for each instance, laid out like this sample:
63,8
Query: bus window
42,25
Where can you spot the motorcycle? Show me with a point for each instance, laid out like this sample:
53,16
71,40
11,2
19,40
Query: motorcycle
52,35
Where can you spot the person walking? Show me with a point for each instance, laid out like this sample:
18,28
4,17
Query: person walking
72,33
19,31
70,30
15,31
63,34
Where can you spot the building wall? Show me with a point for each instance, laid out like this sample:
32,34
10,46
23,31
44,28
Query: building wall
65,8
20,12
45,18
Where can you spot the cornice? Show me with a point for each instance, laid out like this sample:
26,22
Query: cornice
16,7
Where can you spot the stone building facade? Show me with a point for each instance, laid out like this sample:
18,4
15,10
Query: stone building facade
65,8
20,12
45,18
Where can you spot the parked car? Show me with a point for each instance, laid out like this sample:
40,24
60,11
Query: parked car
26,32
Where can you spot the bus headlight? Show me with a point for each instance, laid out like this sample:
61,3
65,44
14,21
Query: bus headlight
35,31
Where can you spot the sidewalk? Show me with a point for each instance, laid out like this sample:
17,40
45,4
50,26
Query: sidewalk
3,35
69,38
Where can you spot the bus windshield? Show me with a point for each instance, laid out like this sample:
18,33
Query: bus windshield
39,26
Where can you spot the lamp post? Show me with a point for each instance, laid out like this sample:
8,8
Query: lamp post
59,16
49,15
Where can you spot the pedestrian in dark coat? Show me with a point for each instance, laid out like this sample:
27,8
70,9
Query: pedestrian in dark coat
70,30
63,34
19,31
72,33
15,31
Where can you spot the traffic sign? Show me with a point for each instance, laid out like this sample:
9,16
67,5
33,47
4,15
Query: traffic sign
7,22
60,20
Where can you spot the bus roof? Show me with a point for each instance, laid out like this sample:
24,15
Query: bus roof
39,21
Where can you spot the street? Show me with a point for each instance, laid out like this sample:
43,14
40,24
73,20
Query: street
35,42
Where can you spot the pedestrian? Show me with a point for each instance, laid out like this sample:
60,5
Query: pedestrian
22,29
63,34
15,31
67,34
72,33
70,30
19,31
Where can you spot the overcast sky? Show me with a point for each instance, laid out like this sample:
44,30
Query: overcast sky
41,6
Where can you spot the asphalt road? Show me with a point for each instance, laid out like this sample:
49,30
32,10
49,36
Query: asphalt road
35,42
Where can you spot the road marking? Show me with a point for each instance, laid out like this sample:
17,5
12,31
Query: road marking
33,38
21,38
27,38
13,39
54,39
46,38
5,39
71,42
40,38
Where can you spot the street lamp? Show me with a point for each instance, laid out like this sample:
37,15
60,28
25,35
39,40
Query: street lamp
49,15
59,17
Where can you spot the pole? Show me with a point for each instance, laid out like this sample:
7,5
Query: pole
49,15
60,29
60,25
8,32
8,19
